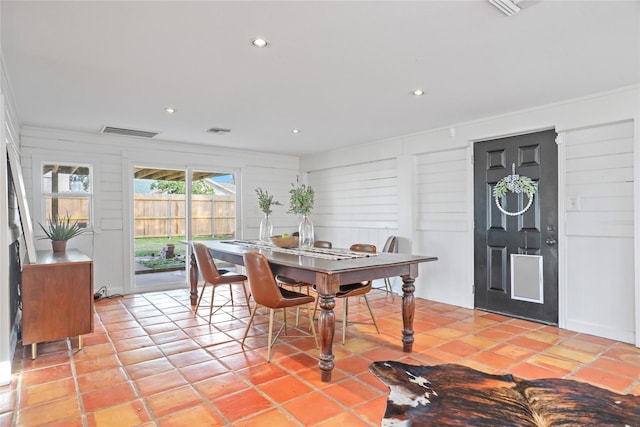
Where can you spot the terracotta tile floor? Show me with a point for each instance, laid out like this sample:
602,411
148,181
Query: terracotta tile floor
152,362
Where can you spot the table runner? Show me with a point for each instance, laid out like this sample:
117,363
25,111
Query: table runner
323,253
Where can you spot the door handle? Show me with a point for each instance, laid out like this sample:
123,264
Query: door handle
550,242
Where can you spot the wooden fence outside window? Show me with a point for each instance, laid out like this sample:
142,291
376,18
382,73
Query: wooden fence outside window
163,215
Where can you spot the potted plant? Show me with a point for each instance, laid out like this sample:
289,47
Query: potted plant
59,230
265,202
301,203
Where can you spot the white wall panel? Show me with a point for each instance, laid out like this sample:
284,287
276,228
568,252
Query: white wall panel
108,259
599,230
441,188
441,219
348,194
445,280
600,290
602,224
599,181
356,203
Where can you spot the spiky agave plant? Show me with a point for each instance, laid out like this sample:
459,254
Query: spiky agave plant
61,228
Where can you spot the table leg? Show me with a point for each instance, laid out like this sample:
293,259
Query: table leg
79,342
326,329
408,311
34,350
193,280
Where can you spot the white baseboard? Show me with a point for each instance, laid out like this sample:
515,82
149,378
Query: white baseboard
601,331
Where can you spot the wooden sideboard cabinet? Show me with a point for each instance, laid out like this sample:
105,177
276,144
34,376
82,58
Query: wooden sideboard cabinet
57,298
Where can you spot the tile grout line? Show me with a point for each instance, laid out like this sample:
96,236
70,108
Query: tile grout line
126,371
204,398
474,314
581,365
276,404
198,392
74,375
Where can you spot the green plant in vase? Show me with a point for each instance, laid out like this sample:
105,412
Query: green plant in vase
265,202
301,203
59,230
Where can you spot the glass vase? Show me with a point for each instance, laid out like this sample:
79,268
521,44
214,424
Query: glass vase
305,229
266,229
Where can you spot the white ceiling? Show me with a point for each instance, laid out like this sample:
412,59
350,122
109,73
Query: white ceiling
339,71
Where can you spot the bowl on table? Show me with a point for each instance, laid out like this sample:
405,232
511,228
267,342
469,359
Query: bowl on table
285,242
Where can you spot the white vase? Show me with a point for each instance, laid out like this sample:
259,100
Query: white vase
305,229
266,229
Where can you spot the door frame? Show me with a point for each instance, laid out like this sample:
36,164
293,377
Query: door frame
130,160
562,274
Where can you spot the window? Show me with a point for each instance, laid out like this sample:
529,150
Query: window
67,190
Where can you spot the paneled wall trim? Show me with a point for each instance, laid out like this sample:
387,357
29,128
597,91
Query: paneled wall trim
598,166
599,229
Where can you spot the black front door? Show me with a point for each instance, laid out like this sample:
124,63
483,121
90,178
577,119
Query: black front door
516,254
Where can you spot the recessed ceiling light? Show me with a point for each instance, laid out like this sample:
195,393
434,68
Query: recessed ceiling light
295,131
417,92
170,110
259,42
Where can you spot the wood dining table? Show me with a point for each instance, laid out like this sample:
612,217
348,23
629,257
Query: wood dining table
327,271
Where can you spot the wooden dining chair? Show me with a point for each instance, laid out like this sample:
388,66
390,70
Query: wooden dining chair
266,293
322,244
354,290
298,285
211,276
293,283
391,246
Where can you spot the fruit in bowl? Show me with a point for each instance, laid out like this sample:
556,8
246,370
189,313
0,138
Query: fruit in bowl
285,242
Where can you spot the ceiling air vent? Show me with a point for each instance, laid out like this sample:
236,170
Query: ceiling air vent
220,131
508,7
129,132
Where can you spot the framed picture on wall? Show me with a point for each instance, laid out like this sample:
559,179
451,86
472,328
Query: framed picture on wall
23,206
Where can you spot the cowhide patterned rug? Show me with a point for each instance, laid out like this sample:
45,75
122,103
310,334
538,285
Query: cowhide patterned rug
456,395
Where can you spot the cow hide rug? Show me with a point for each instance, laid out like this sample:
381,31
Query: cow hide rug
452,394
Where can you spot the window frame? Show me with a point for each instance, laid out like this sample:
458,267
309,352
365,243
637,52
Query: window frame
84,195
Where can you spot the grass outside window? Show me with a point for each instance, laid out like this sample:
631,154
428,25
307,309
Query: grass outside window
152,246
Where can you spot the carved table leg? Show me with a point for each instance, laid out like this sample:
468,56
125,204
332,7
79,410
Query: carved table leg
193,280
408,311
326,329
